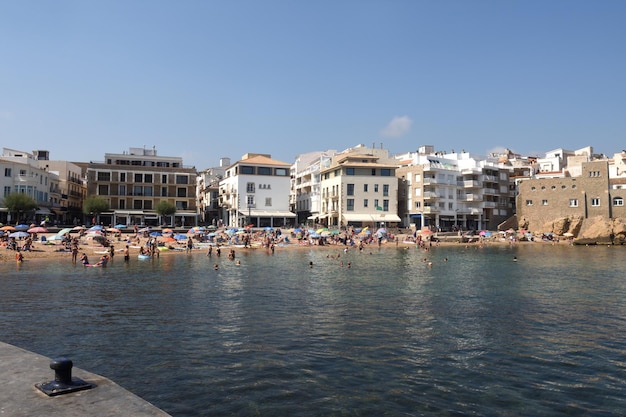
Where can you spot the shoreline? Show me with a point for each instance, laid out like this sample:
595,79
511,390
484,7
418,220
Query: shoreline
52,251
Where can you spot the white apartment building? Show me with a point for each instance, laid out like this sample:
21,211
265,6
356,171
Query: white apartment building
21,173
453,190
360,188
306,198
255,190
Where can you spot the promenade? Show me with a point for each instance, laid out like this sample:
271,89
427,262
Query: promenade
20,370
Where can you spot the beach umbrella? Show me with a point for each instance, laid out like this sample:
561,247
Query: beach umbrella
96,227
55,237
120,226
78,228
64,231
143,230
156,234
166,239
168,230
22,227
323,229
180,236
8,228
297,230
37,229
19,234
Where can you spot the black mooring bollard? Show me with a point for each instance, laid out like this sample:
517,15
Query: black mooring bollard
62,370
63,382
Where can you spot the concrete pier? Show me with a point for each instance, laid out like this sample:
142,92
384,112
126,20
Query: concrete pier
20,370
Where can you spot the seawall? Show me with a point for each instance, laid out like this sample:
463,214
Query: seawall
20,370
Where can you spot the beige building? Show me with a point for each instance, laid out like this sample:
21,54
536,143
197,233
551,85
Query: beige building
360,188
134,182
592,193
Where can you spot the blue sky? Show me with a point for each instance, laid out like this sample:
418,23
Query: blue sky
208,79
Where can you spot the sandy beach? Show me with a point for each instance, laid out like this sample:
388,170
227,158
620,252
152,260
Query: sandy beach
56,250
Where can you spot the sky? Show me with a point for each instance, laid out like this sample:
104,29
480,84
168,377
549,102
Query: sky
204,79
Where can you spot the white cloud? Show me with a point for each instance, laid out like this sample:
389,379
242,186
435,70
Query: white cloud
398,126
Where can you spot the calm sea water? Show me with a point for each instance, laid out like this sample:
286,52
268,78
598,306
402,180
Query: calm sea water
476,335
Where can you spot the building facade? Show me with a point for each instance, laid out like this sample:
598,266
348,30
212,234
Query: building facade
360,188
135,182
21,173
451,191
306,200
207,194
255,191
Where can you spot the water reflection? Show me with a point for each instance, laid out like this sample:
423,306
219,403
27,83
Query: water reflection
474,334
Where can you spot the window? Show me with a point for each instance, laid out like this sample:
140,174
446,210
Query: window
364,188
376,203
618,201
350,204
122,177
122,190
529,202
373,171
349,171
103,190
350,189
137,204
268,201
7,172
163,191
147,204
594,174
375,188
147,191
147,178
138,178
595,202
104,176
182,179
281,172
386,190
164,178
264,171
544,202
385,172
250,187
385,205
22,172
245,169
181,205
181,192
573,202
137,190
365,202
121,204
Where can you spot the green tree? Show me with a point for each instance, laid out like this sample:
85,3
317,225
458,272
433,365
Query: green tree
19,203
163,208
95,205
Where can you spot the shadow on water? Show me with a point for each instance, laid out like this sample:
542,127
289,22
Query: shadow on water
474,333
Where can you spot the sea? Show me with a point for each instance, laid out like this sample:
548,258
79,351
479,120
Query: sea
524,330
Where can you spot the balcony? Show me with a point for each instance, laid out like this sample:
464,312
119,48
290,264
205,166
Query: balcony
472,184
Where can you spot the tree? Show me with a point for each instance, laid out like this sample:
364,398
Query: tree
95,205
163,208
19,203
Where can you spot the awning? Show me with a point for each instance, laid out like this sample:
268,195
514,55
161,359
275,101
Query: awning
128,213
313,217
42,210
378,217
265,213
